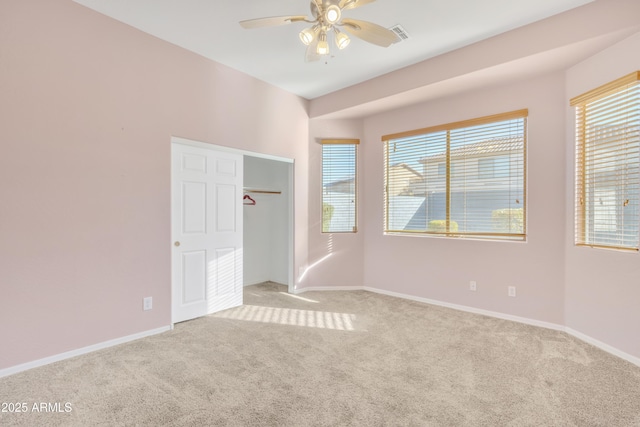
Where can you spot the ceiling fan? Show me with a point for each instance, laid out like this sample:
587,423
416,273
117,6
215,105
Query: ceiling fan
327,17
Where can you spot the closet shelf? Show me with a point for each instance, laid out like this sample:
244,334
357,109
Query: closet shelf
262,191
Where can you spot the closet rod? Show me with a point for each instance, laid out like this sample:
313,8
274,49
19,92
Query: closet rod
249,190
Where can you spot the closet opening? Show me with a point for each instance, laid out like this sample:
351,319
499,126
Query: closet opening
268,221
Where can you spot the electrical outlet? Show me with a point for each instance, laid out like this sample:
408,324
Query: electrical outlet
472,285
512,291
147,303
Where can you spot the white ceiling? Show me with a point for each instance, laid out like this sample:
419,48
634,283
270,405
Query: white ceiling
276,55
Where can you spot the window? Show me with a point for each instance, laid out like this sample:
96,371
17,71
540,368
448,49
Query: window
608,165
470,179
339,185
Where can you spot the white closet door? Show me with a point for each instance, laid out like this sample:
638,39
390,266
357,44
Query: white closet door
206,217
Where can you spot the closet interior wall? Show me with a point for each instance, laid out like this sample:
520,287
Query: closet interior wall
266,227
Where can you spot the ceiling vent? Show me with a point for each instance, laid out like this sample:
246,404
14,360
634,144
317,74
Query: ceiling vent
401,32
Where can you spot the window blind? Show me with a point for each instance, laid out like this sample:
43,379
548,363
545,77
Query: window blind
463,179
608,165
339,185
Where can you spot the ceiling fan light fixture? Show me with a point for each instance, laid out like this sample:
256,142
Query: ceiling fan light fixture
307,36
332,14
326,15
323,46
342,40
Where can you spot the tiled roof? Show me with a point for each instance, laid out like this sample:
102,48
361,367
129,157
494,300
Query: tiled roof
489,146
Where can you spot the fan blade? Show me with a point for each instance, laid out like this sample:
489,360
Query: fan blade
310,54
314,9
352,4
370,32
272,21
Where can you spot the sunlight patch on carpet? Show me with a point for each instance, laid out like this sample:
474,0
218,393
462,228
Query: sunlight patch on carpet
290,316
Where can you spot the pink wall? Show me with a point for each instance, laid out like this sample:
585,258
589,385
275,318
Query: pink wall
87,109
441,269
334,259
602,286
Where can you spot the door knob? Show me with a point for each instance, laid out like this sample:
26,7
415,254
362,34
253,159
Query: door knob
176,244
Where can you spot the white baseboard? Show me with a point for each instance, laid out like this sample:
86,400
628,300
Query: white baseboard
265,281
328,288
84,350
254,283
496,314
548,325
603,346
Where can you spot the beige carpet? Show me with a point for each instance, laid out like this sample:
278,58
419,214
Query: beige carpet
335,359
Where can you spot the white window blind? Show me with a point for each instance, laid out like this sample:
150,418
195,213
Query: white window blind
608,165
463,179
339,185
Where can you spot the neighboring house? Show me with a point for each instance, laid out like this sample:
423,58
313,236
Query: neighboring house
481,182
407,181
343,186
479,167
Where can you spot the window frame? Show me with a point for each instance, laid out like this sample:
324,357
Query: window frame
388,140
333,142
583,216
